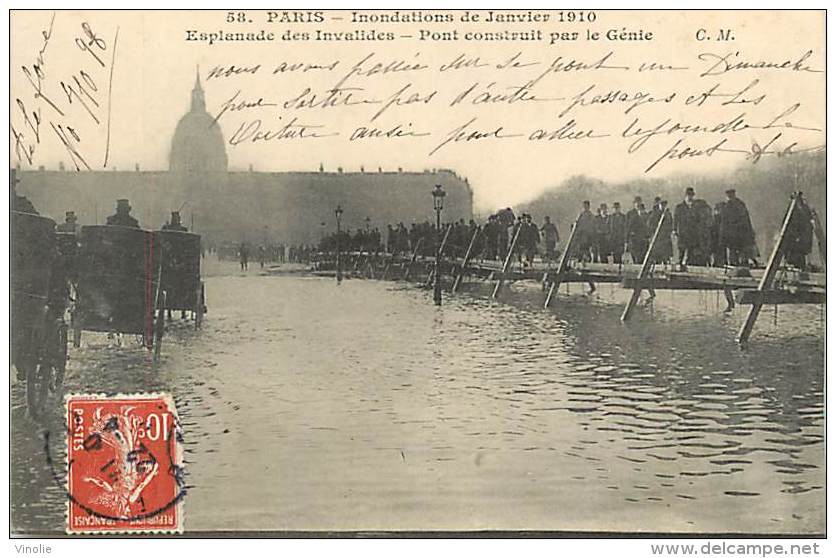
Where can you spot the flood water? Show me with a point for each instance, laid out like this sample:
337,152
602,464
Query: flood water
311,406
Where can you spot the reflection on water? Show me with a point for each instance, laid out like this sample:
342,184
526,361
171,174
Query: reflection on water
364,407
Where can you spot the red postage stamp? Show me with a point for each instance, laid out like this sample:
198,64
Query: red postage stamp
124,464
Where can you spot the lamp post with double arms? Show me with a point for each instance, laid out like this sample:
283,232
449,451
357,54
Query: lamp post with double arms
438,205
339,213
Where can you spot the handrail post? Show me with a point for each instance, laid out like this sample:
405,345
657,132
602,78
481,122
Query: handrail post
562,265
646,263
507,264
465,261
414,257
768,275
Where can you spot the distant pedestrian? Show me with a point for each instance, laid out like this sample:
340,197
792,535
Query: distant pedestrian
243,256
262,256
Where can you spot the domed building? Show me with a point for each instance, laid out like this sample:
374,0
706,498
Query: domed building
234,205
198,143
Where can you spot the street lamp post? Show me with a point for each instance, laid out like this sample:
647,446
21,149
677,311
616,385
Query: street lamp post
438,204
368,239
339,213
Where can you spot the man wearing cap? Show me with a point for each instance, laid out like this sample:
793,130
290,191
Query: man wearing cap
617,232
736,231
174,223
123,215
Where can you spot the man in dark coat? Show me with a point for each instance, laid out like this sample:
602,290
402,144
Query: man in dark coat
687,228
506,220
736,231
501,238
506,217
529,239
617,232
391,239
122,217
664,244
798,242
663,251
403,239
491,234
550,237
585,233
637,236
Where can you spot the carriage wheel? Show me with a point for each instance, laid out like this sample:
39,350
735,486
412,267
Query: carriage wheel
39,366
76,326
159,326
61,356
200,307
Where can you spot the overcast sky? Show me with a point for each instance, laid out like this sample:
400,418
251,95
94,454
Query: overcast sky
124,106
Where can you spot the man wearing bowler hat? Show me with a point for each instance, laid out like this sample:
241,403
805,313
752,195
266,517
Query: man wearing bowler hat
123,215
736,231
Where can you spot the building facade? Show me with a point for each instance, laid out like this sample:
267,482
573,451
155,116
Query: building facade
226,205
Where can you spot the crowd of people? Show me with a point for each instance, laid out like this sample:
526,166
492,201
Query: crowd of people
704,235
263,254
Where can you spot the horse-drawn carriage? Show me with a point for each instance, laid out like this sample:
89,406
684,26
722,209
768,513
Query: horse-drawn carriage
181,282
119,284
111,279
39,299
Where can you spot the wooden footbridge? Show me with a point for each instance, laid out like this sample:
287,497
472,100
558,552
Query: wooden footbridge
772,285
